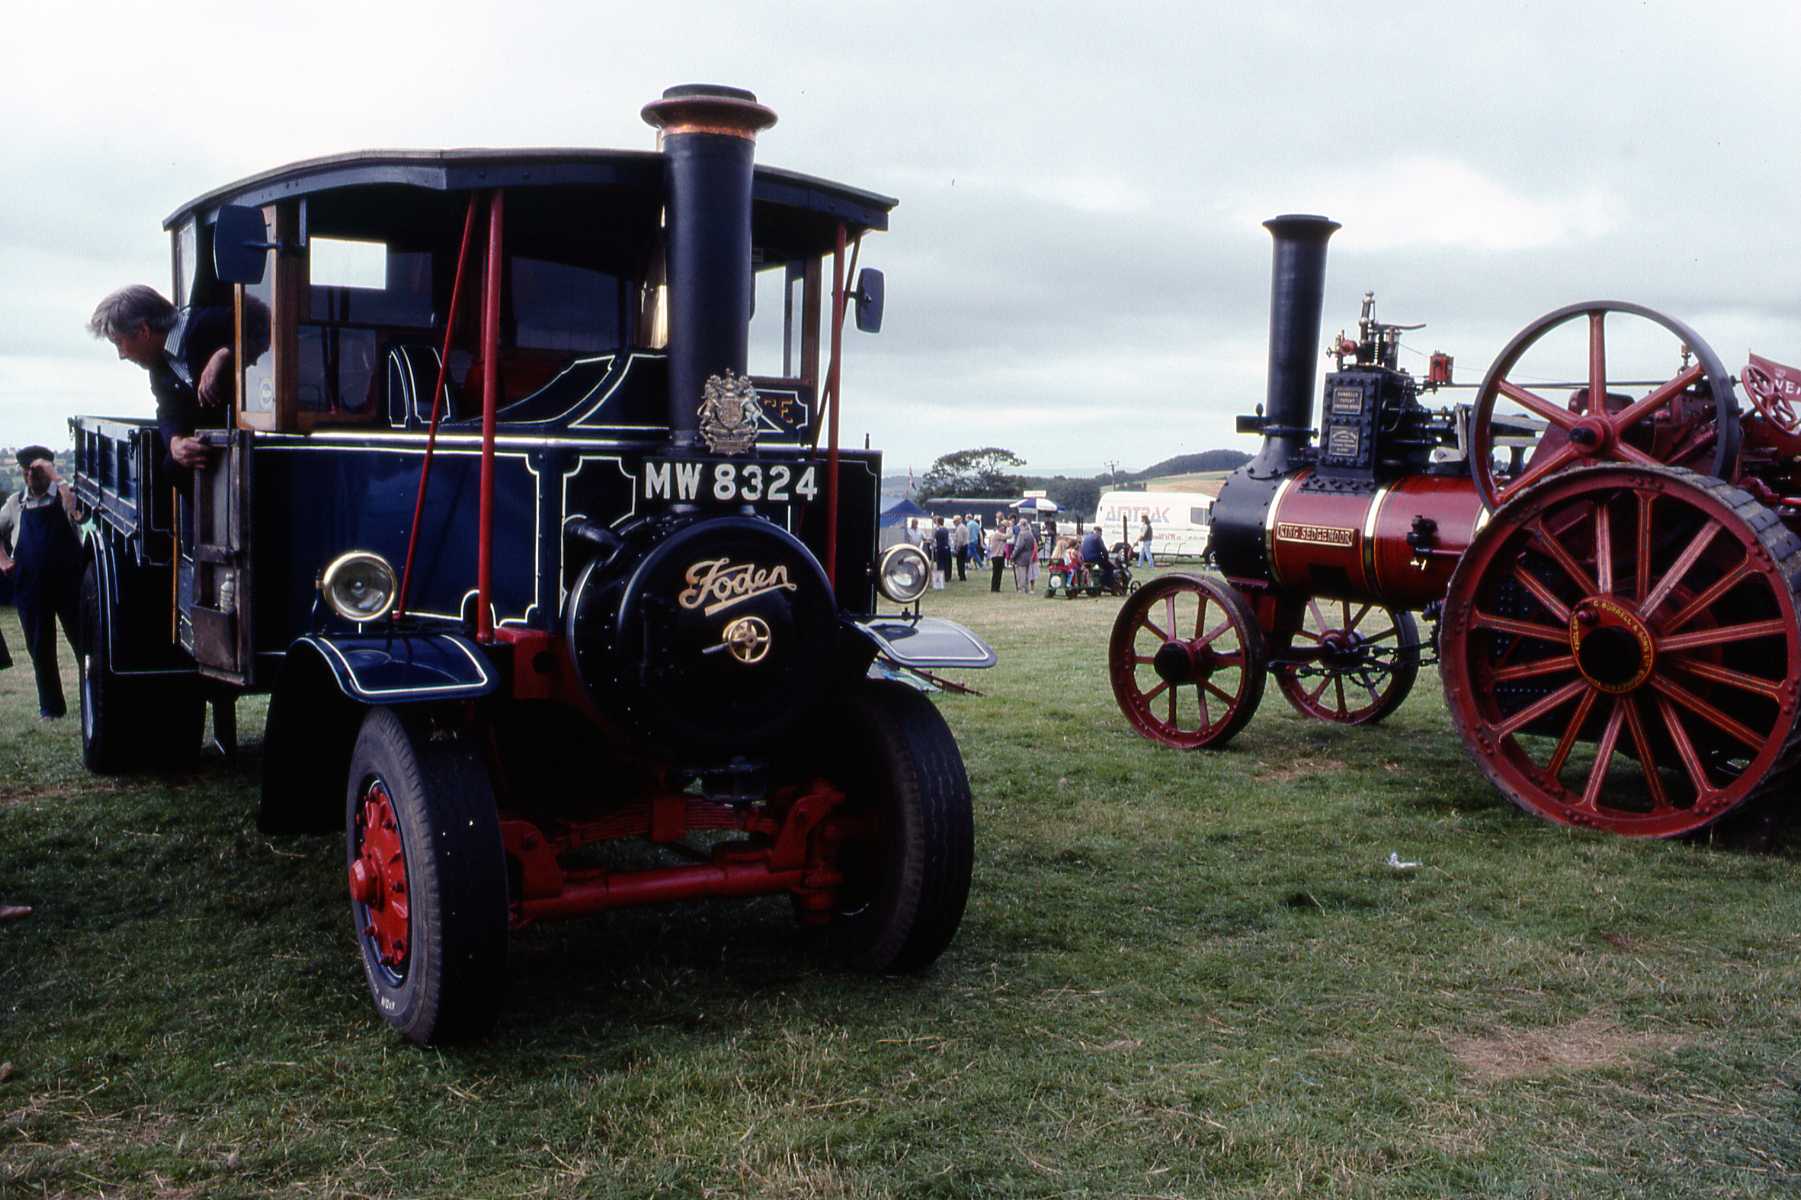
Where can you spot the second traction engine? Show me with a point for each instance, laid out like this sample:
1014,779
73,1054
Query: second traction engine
1608,546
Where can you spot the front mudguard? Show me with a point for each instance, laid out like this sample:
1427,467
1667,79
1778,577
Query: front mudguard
411,668
927,642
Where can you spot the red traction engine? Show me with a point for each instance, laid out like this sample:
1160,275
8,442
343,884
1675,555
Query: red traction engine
1605,550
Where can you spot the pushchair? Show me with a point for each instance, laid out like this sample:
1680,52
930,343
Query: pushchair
1086,579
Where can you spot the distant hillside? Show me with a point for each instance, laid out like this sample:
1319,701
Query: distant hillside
1188,464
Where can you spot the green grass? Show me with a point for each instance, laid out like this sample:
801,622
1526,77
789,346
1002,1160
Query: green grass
1180,975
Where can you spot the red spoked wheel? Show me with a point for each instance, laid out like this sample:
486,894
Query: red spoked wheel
1633,413
1187,661
1621,649
1351,664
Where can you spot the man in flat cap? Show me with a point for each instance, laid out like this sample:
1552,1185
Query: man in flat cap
41,551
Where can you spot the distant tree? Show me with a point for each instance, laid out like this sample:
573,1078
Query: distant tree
1079,497
980,472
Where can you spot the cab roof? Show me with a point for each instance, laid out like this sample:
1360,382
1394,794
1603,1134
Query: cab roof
806,209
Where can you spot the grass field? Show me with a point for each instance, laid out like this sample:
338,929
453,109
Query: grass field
1180,975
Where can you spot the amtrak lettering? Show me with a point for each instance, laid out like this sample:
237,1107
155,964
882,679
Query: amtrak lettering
718,583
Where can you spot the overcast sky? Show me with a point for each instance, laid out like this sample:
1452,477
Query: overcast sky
1076,270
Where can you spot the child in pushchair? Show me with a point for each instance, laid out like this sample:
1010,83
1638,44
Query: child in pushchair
1071,576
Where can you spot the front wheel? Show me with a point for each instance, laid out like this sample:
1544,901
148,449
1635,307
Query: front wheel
428,881
1182,632
907,858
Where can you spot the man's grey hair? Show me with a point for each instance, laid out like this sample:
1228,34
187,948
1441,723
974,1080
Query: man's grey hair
126,309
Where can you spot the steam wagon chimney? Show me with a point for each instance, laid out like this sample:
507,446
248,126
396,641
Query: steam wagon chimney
1297,297
708,137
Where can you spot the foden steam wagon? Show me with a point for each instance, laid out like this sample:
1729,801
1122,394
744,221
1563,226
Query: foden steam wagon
1604,541
522,516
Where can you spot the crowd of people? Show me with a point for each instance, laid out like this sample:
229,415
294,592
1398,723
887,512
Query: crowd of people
1014,542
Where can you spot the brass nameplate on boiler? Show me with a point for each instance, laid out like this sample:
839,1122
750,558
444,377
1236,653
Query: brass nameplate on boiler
1316,535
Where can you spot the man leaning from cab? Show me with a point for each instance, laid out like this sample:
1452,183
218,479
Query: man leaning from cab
188,354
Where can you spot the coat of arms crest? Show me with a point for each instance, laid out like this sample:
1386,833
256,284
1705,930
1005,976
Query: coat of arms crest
729,412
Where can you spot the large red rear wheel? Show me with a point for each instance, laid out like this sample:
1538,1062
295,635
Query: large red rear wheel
1621,649
1187,661
1623,405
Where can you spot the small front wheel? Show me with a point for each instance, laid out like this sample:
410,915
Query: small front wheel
428,881
1184,631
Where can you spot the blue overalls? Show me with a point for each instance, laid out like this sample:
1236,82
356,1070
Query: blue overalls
46,585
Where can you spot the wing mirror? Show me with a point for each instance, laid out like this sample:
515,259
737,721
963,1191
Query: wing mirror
240,239
868,295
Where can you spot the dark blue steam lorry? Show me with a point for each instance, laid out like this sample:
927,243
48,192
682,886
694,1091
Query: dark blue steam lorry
531,555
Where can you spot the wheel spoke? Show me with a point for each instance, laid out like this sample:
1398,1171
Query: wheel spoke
1642,563
1685,749
1146,623
1570,732
1201,703
1316,693
1707,712
1634,454
1143,660
1549,410
1715,590
1769,688
1597,362
1543,594
1391,631
1219,691
1169,608
1344,706
1562,557
1213,633
1357,617
1172,710
1318,616
1547,704
1524,629
1677,643
1657,399
1684,561
1532,670
1604,549
1646,757
1597,774
1151,695
1562,456
1200,617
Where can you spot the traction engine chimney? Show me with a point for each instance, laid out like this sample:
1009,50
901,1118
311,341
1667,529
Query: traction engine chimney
1297,299
708,138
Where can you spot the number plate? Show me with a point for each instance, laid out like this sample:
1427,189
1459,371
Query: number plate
724,481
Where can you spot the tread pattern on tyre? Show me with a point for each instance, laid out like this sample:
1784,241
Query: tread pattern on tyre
936,826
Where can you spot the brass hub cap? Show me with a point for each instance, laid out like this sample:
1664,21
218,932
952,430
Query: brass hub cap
1612,647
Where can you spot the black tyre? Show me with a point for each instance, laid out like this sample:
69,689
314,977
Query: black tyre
130,724
907,875
428,881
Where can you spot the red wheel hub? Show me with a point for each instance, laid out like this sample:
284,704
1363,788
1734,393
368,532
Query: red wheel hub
378,881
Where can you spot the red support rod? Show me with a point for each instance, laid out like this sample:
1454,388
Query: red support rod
484,552
437,404
831,384
628,889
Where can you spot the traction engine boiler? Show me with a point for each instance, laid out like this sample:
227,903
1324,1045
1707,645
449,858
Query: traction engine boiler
1607,560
